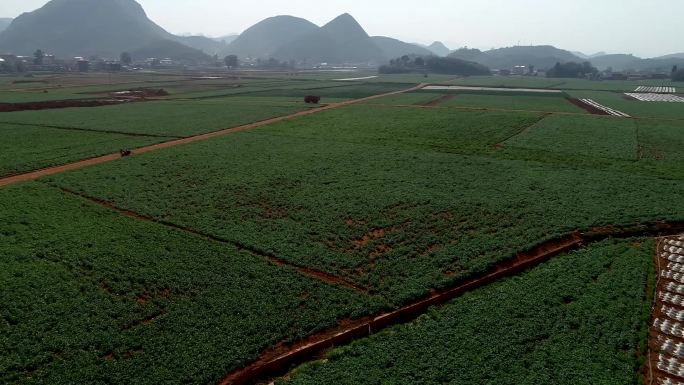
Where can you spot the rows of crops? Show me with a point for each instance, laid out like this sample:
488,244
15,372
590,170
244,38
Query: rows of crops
397,200
27,147
632,107
59,136
90,296
560,84
169,118
369,194
574,320
666,326
586,136
642,97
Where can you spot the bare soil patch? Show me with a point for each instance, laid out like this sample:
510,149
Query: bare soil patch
439,100
55,104
587,107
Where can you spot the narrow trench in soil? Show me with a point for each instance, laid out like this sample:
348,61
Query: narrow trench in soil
278,361
311,273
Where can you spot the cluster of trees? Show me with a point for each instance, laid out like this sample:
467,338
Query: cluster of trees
572,70
433,64
126,58
677,74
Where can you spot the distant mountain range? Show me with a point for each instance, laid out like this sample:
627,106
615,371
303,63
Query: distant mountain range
106,28
393,48
4,23
341,40
438,48
623,62
505,58
82,27
544,57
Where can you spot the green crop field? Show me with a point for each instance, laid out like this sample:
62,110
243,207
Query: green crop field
561,84
430,198
587,136
166,118
185,264
621,102
27,147
90,296
551,103
574,320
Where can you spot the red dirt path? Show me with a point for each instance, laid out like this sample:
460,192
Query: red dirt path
278,360
309,272
33,175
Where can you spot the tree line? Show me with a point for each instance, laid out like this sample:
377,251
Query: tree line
433,64
572,70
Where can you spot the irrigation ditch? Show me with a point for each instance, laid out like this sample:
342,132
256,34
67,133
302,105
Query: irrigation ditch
307,271
279,360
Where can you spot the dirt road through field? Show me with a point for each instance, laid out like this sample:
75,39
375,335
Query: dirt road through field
33,175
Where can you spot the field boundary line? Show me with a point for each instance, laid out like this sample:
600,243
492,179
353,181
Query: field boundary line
306,271
647,118
67,128
523,131
277,362
33,175
479,109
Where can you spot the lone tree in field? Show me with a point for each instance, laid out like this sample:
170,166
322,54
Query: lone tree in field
38,57
675,68
231,61
126,58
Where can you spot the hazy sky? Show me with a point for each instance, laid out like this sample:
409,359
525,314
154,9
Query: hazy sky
642,27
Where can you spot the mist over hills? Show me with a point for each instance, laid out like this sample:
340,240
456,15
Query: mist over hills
393,48
61,27
106,28
4,23
503,58
438,48
168,48
263,39
341,40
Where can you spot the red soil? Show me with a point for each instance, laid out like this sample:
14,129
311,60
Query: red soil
283,357
587,107
228,131
311,273
54,104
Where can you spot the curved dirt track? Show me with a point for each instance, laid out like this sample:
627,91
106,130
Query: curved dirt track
178,142
279,360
